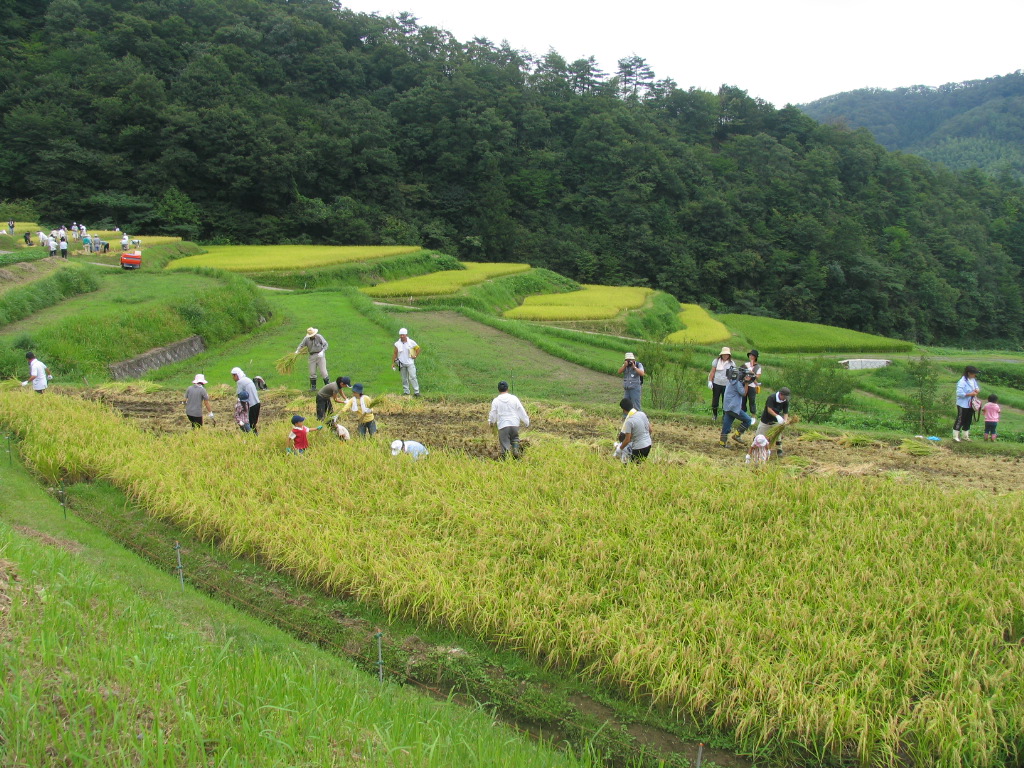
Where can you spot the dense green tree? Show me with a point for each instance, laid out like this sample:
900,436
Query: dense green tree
278,121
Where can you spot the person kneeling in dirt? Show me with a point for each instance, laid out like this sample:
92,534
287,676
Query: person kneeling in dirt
776,411
507,415
635,438
735,399
329,394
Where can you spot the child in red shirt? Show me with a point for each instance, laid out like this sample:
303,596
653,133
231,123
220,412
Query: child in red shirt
299,435
990,410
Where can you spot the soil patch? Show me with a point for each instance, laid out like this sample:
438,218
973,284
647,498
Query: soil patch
448,426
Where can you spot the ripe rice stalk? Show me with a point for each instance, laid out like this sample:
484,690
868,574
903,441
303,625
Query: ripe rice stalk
286,364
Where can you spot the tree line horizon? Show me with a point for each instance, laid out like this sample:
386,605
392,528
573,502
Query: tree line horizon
268,121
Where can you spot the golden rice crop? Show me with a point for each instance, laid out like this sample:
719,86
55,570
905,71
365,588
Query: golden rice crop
593,302
698,327
277,258
147,240
820,619
444,282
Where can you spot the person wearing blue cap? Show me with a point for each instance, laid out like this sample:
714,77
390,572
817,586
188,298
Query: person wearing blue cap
359,404
299,436
242,412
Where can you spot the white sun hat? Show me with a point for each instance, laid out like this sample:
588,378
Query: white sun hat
199,379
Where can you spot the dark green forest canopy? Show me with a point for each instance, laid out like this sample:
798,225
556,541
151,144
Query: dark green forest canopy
301,121
974,124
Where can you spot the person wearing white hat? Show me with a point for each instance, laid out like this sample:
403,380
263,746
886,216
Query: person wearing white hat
414,449
633,373
197,400
317,346
717,378
252,397
403,357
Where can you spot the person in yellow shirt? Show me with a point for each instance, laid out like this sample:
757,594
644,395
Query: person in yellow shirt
359,404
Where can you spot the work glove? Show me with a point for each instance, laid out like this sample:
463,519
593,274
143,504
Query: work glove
779,420
746,459
210,414
711,385
49,377
24,383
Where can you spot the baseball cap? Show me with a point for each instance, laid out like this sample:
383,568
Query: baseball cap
784,391
346,381
403,331
296,418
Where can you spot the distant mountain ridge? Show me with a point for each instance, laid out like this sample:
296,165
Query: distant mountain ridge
973,124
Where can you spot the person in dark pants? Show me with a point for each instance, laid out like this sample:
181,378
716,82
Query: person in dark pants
197,400
245,384
966,389
735,396
717,378
329,394
635,442
750,404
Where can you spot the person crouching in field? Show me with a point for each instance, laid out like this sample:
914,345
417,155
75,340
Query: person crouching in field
735,399
758,452
635,439
776,411
197,400
359,404
299,436
329,394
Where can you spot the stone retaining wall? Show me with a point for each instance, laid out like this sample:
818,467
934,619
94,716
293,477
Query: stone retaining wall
155,358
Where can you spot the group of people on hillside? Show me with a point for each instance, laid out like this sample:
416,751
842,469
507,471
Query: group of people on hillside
735,388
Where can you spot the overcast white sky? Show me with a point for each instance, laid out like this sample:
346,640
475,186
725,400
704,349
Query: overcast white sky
786,51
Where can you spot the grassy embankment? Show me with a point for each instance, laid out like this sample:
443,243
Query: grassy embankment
110,663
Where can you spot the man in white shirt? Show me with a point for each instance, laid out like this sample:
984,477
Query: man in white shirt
404,357
38,374
508,414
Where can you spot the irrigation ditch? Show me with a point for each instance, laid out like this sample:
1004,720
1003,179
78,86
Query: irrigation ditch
524,696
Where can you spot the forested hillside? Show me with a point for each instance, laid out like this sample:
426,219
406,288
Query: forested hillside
975,124
301,121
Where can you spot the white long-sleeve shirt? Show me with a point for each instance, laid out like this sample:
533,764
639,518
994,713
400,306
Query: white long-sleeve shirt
507,411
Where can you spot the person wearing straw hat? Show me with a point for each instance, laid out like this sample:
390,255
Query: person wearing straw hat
403,356
717,378
317,346
633,373
197,400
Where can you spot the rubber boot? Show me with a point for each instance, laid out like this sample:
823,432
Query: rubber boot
956,435
965,435
326,381
312,383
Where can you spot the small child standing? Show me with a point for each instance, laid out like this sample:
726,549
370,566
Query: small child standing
990,410
242,412
299,435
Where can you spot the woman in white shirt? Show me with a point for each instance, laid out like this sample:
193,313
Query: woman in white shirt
717,378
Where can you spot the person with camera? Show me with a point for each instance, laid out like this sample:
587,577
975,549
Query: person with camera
776,411
633,373
717,378
738,381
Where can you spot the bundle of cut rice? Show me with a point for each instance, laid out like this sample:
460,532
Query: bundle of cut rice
918,447
286,364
